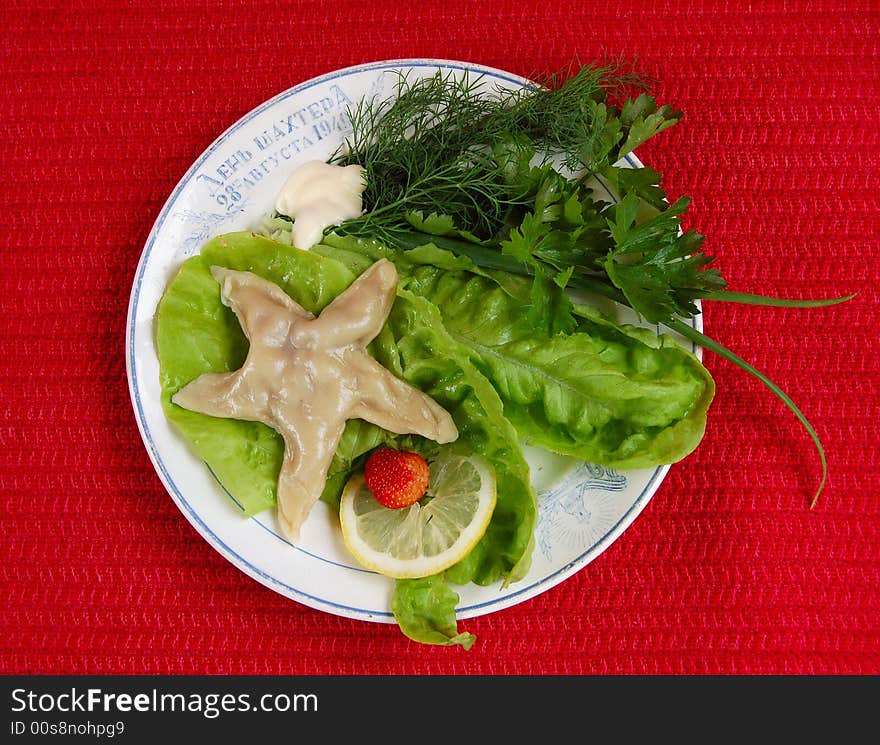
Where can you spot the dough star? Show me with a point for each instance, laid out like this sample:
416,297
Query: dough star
306,376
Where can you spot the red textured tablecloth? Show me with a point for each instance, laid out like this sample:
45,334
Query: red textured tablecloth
104,105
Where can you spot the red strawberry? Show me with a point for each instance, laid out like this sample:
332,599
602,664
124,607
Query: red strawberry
396,478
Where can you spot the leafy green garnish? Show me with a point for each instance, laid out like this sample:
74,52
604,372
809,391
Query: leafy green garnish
197,334
659,269
532,182
425,611
454,147
600,392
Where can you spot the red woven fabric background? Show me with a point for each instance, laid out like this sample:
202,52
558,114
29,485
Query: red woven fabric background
104,105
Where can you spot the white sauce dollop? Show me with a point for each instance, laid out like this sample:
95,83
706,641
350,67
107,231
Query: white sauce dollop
318,195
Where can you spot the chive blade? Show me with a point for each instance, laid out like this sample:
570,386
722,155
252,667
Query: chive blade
748,298
722,351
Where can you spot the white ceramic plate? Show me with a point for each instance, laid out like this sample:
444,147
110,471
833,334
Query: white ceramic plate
582,508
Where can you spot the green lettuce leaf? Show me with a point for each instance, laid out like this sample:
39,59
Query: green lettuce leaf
425,611
196,333
607,393
508,362
435,363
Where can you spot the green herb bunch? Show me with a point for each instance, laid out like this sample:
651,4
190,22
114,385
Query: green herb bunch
534,181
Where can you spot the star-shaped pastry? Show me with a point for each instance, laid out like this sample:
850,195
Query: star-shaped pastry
305,376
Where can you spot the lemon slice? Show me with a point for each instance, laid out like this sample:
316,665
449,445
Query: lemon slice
428,536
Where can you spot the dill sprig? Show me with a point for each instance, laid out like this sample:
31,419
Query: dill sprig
425,151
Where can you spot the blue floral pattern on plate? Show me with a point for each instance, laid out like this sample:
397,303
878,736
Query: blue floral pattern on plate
579,509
